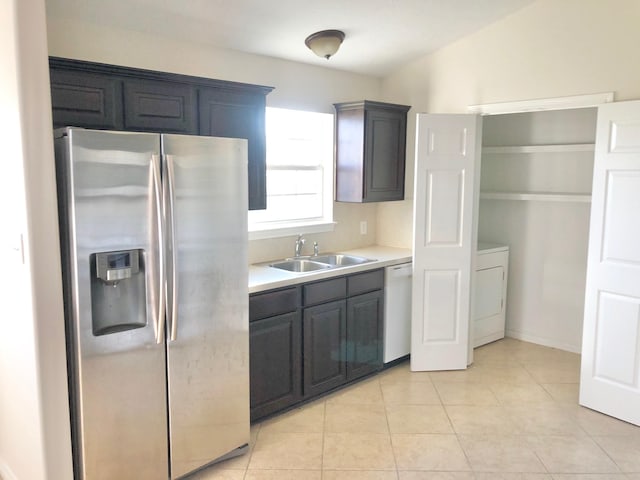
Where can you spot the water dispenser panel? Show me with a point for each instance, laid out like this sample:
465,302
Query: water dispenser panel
118,291
114,266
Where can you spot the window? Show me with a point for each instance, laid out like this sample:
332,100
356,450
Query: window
299,175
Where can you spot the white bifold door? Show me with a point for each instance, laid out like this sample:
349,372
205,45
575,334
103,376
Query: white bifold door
447,180
445,215
610,378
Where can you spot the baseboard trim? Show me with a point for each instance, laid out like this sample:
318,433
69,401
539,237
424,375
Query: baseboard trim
547,342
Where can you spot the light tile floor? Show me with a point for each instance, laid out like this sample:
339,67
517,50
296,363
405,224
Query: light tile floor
513,415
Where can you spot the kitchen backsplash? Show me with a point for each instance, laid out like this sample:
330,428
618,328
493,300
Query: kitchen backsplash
345,236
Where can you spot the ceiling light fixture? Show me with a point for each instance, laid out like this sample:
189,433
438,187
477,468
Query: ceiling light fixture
325,43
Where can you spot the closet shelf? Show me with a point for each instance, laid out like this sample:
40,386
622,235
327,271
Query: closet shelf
538,196
569,147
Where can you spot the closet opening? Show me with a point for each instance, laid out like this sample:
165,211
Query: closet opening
535,198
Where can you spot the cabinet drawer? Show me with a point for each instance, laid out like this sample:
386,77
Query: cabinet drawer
324,291
269,304
365,282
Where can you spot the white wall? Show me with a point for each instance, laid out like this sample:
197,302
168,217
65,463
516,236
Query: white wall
34,418
297,86
550,49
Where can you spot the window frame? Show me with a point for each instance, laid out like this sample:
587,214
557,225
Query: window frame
273,229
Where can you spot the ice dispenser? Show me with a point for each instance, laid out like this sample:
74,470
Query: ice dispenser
118,293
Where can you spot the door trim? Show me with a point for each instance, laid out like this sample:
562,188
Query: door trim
541,104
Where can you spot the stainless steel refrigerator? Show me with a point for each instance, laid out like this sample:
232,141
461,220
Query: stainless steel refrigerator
154,246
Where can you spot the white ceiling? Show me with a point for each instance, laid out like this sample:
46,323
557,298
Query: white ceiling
380,34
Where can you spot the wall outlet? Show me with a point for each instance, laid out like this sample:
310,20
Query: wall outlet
363,227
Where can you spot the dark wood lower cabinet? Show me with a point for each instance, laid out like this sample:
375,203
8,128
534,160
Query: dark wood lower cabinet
325,329
308,340
274,359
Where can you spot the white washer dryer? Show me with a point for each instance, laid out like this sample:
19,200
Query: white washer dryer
492,265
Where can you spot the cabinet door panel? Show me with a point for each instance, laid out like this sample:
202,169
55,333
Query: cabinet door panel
236,115
370,151
160,106
364,334
84,100
325,329
384,156
275,363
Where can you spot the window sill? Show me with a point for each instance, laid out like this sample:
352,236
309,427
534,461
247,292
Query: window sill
287,230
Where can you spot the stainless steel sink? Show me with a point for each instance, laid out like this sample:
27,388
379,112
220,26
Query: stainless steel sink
300,265
318,262
340,259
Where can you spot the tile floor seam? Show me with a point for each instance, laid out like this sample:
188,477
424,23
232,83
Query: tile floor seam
607,453
544,465
466,456
251,448
386,416
446,412
324,431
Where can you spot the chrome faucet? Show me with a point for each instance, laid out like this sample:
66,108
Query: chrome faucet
299,243
315,249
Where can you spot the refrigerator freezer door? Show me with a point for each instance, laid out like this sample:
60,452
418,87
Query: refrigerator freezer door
208,361
107,199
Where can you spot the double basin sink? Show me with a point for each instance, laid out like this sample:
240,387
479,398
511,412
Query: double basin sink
318,262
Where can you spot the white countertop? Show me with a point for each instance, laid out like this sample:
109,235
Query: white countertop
263,277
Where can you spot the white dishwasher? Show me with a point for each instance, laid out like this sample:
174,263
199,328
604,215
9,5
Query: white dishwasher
397,311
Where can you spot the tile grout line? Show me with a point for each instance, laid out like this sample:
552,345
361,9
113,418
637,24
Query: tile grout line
324,431
251,448
605,452
386,416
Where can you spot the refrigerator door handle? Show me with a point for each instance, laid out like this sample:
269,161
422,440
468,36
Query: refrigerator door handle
160,289
173,311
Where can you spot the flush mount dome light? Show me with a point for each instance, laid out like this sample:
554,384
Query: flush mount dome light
325,43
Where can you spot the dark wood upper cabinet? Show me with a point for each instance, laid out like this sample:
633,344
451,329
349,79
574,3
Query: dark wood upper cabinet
239,115
96,95
370,151
81,99
157,106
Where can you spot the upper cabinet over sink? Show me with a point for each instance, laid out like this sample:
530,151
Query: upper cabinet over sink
370,151
100,96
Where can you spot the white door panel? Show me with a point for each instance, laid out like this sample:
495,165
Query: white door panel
445,220
621,239
444,207
440,304
610,378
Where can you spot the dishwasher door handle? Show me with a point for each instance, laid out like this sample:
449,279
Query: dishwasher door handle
397,271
